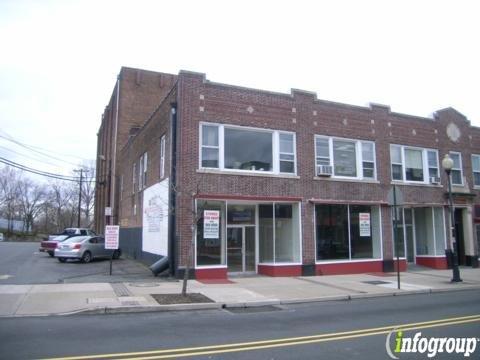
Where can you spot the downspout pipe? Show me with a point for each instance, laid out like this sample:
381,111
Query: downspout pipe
113,220
172,244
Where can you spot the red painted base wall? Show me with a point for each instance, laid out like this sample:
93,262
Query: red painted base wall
349,268
432,262
287,270
403,265
211,273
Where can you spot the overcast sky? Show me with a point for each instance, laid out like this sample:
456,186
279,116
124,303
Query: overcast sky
59,59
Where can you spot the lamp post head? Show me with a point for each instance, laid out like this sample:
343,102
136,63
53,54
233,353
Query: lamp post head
447,163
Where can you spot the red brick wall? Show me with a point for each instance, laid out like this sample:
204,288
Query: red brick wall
302,113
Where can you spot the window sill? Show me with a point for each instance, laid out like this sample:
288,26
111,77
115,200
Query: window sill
331,178
347,261
415,184
246,173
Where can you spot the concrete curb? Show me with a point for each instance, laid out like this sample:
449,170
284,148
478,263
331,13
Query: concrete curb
242,304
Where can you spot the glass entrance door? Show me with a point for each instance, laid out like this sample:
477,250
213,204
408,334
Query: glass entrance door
241,248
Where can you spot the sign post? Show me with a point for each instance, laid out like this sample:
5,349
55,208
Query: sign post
111,240
395,198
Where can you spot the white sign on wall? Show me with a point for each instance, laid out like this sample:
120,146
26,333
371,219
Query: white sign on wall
211,224
155,218
111,236
364,223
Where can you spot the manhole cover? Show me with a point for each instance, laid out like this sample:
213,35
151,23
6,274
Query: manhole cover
253,309
144,284
376,282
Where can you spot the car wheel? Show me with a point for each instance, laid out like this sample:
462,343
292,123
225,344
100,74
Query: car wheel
62,260
87,257
50,253
116,254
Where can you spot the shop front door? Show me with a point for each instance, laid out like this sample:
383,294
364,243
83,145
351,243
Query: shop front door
241,249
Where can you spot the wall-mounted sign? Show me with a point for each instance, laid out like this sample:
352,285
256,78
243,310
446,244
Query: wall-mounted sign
364,223
108,211
155,218
211,224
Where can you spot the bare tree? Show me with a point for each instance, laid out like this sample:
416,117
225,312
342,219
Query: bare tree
88,193
9,194
30,198
61,198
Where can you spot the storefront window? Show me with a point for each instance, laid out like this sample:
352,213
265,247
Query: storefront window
347,232
398,232
210,233
265,232
439,230
332,232
279,231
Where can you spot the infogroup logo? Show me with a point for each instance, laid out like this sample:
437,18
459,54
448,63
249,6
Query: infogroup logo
431,346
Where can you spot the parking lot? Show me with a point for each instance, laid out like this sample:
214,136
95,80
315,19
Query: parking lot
22,263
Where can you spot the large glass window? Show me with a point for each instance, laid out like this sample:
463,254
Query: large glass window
279,233
265,233
344,158
413,164
248,150
364,234
236,148
349,158
439,221
347,232
456,172
210,233
332,232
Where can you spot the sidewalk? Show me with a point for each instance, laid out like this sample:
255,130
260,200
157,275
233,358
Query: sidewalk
105,297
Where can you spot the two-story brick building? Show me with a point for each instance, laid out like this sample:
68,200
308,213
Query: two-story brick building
285,184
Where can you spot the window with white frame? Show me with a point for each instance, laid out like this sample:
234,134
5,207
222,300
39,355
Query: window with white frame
412,164
237,148
162,157
134,177
142,173
476,169
349,158
433,168
456,172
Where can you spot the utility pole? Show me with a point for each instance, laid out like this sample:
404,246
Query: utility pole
80,195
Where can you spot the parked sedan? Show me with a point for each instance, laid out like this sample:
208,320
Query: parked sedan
84,248
49,246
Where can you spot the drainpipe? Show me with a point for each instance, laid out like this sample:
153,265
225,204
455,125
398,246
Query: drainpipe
114,165
172,246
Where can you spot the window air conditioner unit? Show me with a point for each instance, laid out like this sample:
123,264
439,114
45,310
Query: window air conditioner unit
324,170
434,180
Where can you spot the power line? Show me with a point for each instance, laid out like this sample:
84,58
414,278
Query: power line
33,148
38,172
29,157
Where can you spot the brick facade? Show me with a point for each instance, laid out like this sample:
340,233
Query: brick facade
199,100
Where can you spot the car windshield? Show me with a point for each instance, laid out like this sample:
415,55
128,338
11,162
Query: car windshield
69,232
76,239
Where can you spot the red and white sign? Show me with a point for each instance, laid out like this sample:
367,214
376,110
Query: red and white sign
211,224
111,236
364,223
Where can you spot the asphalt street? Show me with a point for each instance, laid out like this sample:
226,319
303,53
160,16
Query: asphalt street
275,331
22,263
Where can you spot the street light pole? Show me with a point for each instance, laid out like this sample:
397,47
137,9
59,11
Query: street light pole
447,164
